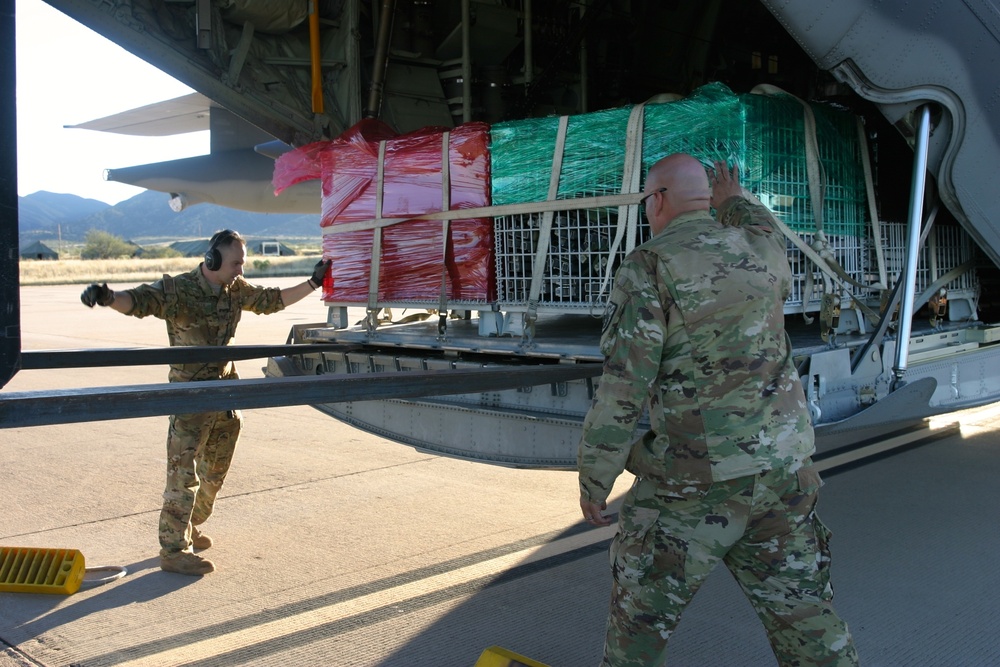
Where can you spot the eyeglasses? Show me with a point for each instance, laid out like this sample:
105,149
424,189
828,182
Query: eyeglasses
642,202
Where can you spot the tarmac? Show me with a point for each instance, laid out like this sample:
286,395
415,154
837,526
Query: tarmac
337,547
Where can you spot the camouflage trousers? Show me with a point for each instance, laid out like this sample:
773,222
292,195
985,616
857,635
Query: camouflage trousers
764,528
200,448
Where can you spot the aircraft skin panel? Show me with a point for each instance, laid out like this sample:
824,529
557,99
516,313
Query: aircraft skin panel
969,172
903,55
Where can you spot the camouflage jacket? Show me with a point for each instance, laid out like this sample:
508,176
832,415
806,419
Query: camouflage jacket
196,315
695,328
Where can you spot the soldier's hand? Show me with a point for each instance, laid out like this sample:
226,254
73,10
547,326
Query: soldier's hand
725,182
593,512
97,295
319,272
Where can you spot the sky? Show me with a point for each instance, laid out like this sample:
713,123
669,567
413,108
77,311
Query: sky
68,74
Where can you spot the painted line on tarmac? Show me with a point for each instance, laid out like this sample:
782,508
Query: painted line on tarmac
281,636
275,630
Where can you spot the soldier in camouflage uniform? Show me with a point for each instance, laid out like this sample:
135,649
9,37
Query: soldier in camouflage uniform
695,328
201,307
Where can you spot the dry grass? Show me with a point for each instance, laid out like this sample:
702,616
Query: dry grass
74,271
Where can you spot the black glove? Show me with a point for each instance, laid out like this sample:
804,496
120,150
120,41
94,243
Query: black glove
97,294
319,272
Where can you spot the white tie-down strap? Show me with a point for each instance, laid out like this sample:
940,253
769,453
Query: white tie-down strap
628,214
542,249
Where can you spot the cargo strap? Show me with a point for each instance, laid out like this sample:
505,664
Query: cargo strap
816,258
939,284
575,204
872,209
371,318
628,213
819,251
445,233
815,177
542,249
631,174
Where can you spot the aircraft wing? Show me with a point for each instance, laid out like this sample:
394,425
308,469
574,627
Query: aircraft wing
181,115
234,174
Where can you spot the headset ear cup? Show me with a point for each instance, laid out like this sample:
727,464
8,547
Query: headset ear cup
213,259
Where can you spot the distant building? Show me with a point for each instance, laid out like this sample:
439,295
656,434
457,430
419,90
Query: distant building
269,248
38,250
264,247
196,248
137,250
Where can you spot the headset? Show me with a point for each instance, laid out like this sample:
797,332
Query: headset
213,258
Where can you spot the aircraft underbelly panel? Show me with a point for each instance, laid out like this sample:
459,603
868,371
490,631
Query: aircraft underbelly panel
539,427
478,434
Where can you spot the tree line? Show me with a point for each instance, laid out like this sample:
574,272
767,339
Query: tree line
103,245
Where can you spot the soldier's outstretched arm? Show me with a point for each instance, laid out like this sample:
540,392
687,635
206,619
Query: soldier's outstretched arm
295,294
102,295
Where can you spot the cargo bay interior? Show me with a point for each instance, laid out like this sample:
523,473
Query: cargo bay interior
711,77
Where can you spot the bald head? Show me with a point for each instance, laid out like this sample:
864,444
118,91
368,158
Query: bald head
687,189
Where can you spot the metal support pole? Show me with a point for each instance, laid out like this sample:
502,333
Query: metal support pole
381,59
912,242
466,62
10,305
203,24
528,52
583,63
316,71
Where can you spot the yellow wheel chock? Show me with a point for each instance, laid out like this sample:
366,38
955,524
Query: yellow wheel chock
54,571
495,656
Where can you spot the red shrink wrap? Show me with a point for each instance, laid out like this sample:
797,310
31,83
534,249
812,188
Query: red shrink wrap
415,254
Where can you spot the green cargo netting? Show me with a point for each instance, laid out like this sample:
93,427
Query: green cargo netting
764,134
709,124
521,156
779,178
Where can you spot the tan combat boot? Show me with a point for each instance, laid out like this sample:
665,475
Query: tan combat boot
200,539
185,562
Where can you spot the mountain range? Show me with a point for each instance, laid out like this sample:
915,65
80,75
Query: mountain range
47,215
